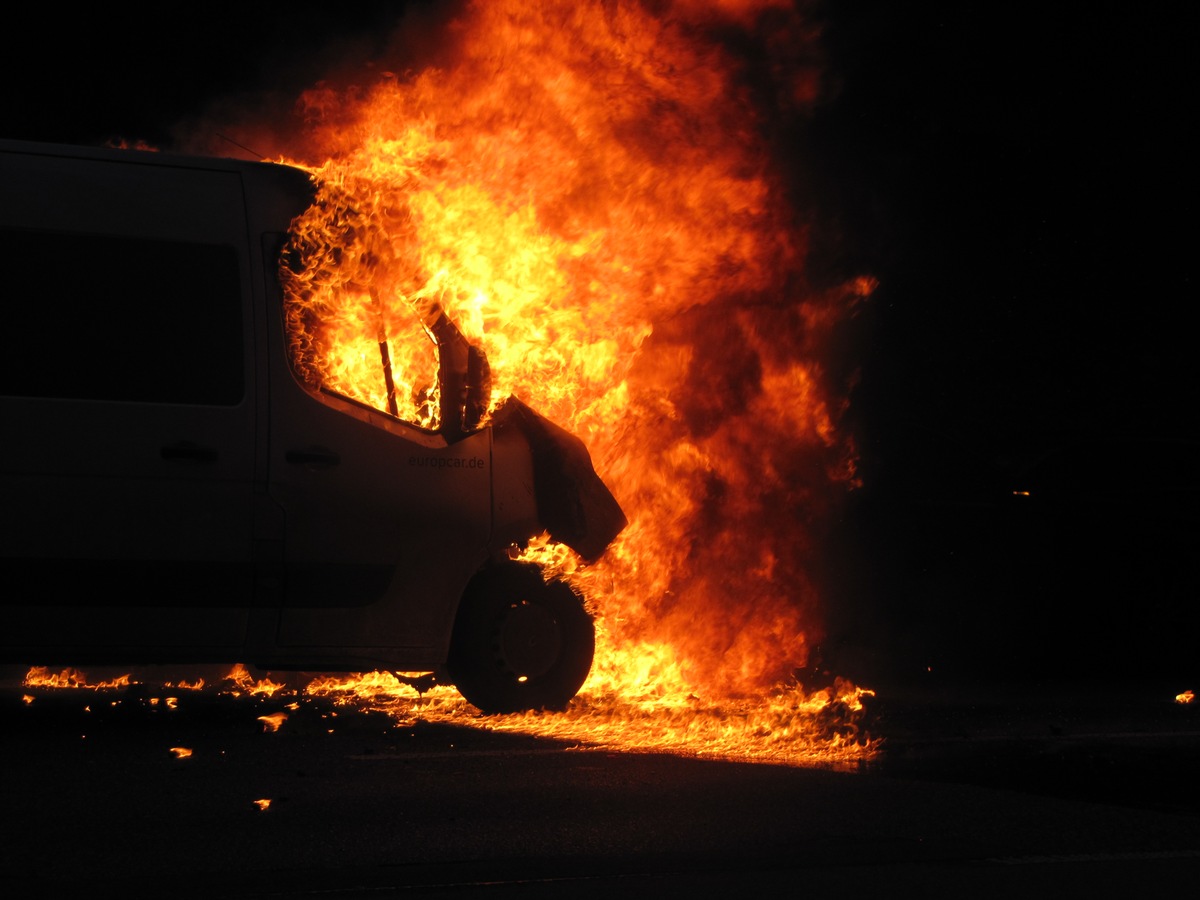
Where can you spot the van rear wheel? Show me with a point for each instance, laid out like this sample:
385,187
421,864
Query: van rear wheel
520,642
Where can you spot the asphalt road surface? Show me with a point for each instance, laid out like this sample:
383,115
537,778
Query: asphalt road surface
978,792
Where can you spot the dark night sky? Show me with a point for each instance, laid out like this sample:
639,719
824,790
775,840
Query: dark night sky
1012,174
1033,199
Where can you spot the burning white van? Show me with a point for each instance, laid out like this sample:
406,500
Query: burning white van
172,492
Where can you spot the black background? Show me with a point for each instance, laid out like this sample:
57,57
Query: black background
1014,175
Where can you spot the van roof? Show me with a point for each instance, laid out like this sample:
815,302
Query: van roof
275,189
140,156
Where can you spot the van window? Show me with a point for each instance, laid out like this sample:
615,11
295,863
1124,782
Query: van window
99,317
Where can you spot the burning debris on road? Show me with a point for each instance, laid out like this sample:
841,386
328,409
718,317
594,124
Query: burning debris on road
830,727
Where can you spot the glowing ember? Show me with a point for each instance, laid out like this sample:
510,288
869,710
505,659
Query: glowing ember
592,194
1185,697
264,803
272,721
186,685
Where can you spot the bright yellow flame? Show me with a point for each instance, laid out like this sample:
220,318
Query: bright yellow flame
586,194
591,193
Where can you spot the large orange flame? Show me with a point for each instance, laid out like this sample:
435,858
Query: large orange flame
593,193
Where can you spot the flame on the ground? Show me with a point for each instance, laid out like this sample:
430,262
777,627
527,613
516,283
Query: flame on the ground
786,726
237,681
1185,697
42,677
597,195
241,681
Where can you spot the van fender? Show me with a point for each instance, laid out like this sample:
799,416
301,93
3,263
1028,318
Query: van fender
573,504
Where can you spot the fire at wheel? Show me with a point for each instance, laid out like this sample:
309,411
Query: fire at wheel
520,642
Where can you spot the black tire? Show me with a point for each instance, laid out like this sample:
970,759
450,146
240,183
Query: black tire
520,642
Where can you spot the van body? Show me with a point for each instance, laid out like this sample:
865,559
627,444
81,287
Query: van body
170,492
